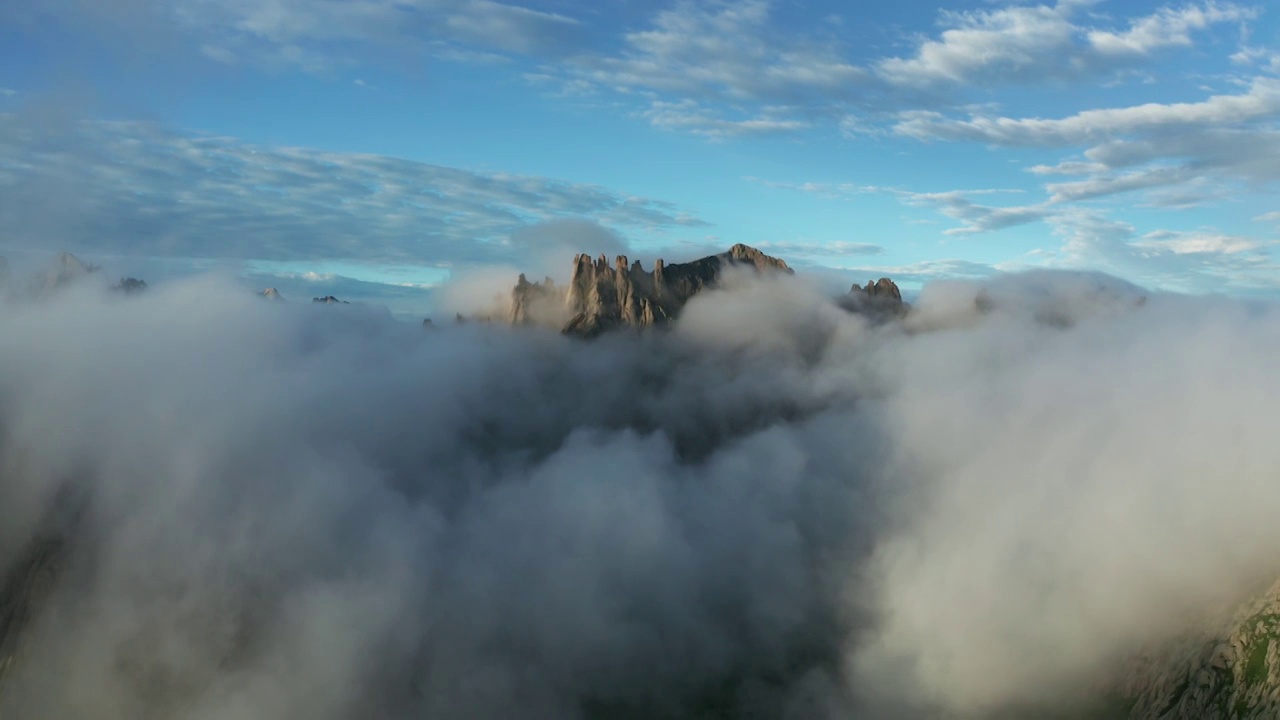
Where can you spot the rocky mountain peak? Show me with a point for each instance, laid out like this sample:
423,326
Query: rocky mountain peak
603,295
746,254
271,294
879,300
882,288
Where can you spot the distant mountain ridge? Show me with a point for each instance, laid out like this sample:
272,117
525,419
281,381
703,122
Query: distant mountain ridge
600,297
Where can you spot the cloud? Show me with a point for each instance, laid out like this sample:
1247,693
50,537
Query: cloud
723,51
1268,217
1110,184
834,249
1191,149
1183,243
914,275
1014,42
1167,27
708,67
956,204
1031,43
552,244
826,190
124,187
976,218
1261,101
407,300
1202,260
734,59
774,507
1003,540
317,35
688,116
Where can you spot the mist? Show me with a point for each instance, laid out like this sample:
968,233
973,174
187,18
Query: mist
776,509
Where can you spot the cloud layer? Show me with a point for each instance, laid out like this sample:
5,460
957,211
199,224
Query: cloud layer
132,188
252,508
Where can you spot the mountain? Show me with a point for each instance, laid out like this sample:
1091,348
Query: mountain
1232,674
599,298
881,300
326,300
271,294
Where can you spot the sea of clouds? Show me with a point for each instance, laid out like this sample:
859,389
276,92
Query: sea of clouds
777,509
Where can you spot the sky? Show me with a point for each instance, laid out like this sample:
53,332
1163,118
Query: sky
375,149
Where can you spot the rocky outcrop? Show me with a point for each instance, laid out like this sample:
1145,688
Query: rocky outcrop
271,294
600,297
531,303
1234,675
329,300
880,300
882,289
129,286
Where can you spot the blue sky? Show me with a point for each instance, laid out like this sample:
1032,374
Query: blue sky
379,147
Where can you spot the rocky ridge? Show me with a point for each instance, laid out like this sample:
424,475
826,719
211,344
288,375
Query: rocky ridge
600,297
1233,674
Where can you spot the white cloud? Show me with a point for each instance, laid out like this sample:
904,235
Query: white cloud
1184,243
319,35
976,218
1261,101
1011,42
1068,168
709,67
827,190
688,116
1268,217
1187,261
813,248
1167,27
734,57
1171,146
920,273
724,51
955,204
129,187
1032,43
1110,184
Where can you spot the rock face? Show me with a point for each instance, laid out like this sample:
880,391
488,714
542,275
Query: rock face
600,297
530,301
271,294
1233,675
881,300
884,289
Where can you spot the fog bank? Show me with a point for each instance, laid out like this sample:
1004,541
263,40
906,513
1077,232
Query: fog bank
776,509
